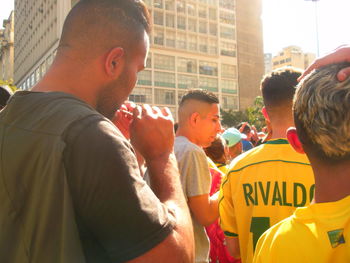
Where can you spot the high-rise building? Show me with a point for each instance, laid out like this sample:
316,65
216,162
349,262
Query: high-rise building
194,44
7,49
292,56
268,62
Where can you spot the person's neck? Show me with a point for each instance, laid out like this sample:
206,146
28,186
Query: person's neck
279,129
67,79
332,182
186,132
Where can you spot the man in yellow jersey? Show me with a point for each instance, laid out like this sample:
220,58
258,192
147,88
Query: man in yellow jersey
266,184
320,232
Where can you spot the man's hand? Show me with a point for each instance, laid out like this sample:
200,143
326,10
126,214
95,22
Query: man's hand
341,54
152,132
123,118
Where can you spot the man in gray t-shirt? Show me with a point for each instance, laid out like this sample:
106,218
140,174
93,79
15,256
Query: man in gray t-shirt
199,123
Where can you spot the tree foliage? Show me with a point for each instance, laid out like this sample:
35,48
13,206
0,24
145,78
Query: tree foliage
252,115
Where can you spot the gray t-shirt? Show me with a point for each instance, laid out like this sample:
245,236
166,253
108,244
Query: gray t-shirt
195,180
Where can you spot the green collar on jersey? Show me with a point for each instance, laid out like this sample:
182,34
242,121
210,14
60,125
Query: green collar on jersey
277,141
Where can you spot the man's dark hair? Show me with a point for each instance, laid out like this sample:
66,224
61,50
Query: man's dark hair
278,87
5,94
216,151
105,23
246,129
200,95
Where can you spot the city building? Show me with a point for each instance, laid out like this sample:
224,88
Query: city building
292,56
268,62
7,49
194,44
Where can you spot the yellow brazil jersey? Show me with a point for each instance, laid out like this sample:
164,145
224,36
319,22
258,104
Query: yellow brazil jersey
319,233
222,167
263,186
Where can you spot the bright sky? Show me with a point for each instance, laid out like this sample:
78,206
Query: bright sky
289,22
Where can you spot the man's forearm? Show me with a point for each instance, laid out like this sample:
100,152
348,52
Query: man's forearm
165,183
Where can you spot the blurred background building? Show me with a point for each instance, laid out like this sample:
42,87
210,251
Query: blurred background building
210,44
292,56
7,49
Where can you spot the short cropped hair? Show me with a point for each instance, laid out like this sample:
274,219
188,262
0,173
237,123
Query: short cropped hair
322,113
200,95
105,22
278,87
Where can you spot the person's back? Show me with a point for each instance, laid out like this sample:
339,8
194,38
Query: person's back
35,123
70,182
320,232
266,184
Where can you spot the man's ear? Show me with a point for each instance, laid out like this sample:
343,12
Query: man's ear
264,112
293,139
194,118
114,62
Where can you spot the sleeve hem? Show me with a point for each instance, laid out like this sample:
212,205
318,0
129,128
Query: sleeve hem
145,245
229,234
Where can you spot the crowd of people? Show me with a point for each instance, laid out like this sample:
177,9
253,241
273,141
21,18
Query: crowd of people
87,176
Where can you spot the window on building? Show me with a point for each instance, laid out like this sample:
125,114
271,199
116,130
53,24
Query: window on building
213,29
164,62
180,6
149,61
210,84
227,32
229,102
181,40
170,5
37,74
288,60
164,79
282,61
202,27
170,20
191,9
187,65
212,13
170,38
158,18
43,69
208,68
202,12
158,3
141,95
192,25
227,49
228,86
192,42
228,4
144,78
164,96
181,22
213,46
203,45
158,37
275,63
227,17
228,71
187,81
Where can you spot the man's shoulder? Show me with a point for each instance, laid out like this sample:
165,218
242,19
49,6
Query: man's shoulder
269,152
183,145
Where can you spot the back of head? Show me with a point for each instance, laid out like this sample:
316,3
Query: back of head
278,89
93,26
195,100
5,94
216,151
322,115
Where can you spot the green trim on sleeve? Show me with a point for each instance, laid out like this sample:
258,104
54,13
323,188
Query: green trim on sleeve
229,234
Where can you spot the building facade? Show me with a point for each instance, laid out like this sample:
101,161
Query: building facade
292,56
194,44
7,49
268,62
